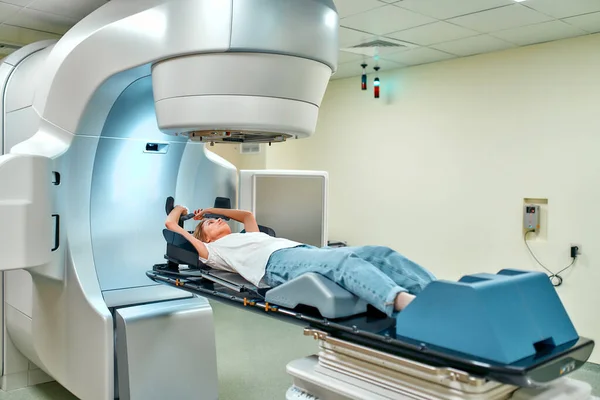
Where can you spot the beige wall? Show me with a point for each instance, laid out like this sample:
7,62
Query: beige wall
439,167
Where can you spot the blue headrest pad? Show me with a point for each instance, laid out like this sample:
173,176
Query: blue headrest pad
500,317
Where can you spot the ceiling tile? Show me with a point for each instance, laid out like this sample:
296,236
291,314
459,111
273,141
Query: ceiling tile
587,22
344,57
350,7
538,33
354,69
473,45
351,37
70,8
42,21
443,9
422,55
22,3
346,70
4,51
501,18
433,33
563,9
7,11
385,19
23,36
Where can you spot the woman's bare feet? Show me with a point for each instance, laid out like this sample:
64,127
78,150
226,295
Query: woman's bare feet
402,300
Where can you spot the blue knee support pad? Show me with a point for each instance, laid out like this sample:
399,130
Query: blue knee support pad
501,318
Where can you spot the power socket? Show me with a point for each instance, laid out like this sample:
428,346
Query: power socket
575,250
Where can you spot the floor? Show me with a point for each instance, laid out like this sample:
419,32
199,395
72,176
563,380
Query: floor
244,371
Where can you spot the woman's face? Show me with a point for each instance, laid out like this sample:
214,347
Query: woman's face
215,229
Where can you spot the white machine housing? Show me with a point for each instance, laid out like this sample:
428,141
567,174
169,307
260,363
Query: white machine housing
95,133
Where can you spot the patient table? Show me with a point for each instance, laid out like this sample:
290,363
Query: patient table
363,354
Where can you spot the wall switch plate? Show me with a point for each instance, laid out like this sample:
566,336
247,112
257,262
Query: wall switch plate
531,217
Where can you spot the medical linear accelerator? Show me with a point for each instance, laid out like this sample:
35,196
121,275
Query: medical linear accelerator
100,127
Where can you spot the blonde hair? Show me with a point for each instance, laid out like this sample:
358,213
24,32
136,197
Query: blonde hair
198,232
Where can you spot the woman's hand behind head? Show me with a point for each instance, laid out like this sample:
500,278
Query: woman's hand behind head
199,214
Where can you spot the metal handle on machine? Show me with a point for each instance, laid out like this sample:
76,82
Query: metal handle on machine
191,215
186,217
170,204
55,178
56,232
216,216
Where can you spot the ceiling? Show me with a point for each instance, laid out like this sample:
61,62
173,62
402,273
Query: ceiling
26,21
415,31
435,30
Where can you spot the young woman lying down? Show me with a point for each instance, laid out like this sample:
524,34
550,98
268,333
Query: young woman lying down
378,275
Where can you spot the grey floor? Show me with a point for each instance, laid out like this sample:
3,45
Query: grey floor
252,352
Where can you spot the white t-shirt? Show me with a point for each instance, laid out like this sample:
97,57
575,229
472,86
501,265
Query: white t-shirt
245,253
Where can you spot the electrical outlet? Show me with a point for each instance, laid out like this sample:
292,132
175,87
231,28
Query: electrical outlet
577,251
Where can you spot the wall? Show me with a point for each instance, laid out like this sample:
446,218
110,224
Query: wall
439,166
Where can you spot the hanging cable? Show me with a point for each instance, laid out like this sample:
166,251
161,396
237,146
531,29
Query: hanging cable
555,278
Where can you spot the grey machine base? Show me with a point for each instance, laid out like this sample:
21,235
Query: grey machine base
163,342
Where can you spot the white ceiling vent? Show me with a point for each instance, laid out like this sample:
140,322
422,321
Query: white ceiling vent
379,43
379,47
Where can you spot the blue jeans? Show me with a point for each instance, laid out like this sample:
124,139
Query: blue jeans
373,273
